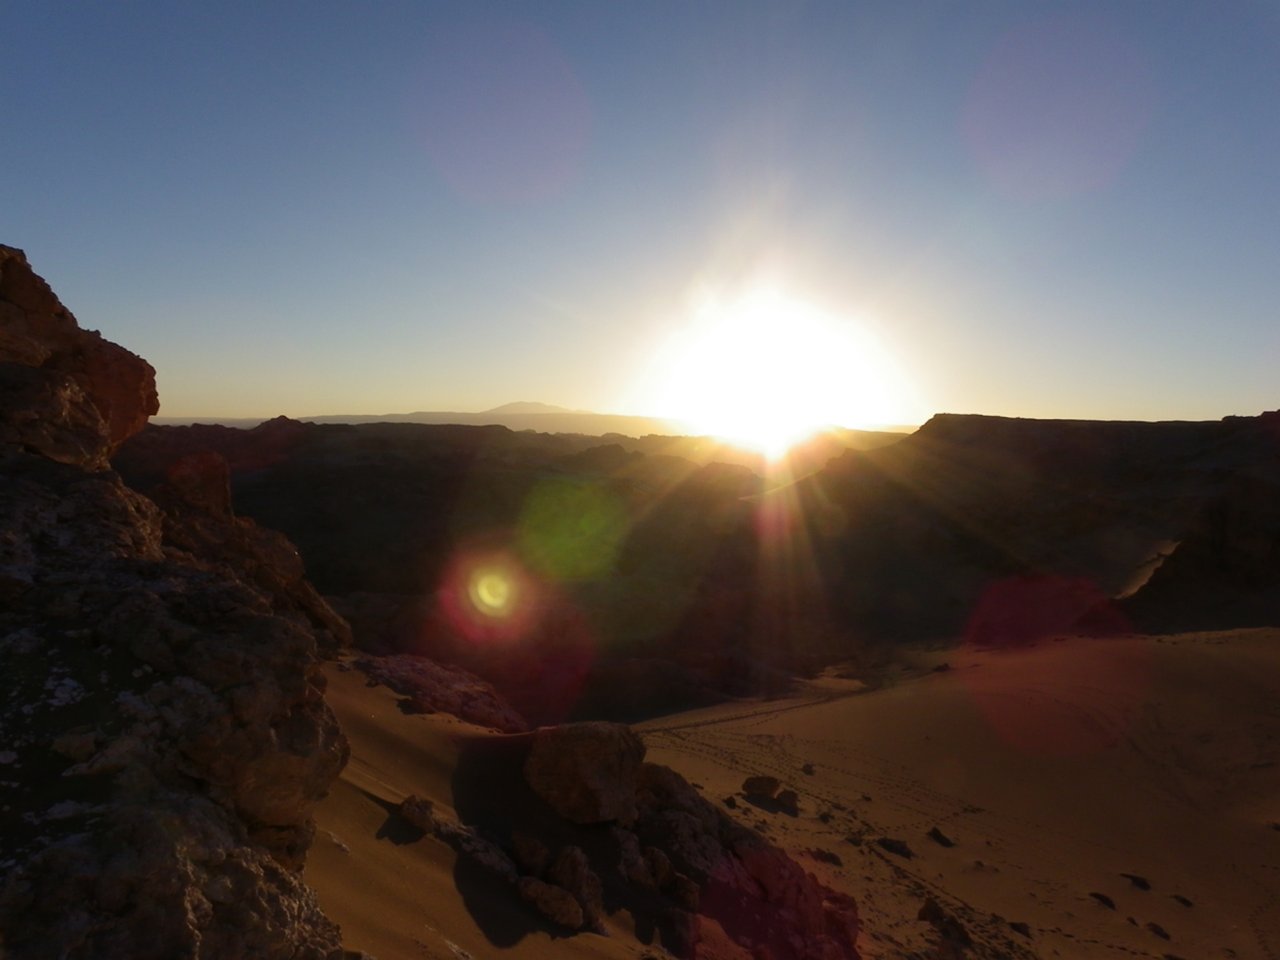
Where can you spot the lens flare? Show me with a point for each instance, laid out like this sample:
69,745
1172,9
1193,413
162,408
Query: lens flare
489,597
519,630
1068,699
492,593
571,531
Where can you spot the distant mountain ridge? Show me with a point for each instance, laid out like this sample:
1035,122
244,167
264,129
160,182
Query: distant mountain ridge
518,415
538,417
530,406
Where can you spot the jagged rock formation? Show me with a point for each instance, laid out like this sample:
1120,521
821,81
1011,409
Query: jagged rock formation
165,732
64,391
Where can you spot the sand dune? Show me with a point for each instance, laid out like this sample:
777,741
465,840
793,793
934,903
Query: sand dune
1102,798
399,896
1055,771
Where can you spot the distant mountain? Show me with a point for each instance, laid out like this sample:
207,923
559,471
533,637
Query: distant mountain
548,418
529,406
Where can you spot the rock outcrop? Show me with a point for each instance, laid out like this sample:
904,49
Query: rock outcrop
166,736
430,687
64,392
662,843
195,499
1003,530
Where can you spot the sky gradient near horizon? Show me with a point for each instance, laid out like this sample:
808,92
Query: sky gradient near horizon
1031,209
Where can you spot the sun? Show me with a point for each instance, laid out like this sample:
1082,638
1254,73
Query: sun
766,370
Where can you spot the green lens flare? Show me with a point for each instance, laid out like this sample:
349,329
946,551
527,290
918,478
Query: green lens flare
572,531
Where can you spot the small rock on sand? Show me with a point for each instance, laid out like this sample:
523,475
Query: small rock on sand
826,856
418,812
761,787
940,838
897,847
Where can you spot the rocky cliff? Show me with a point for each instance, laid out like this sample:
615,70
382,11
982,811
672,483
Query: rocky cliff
165,735
977,527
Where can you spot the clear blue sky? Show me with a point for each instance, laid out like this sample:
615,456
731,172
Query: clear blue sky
1038,209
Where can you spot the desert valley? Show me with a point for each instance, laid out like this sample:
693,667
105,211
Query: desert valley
734,480
994,688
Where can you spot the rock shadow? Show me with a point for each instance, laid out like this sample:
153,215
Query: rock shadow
492,798
395,828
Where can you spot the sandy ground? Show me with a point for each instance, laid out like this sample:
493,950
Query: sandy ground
398,897
1102,798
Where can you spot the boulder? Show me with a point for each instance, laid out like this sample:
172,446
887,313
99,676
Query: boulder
572,871
530,854
761,787
555,903
631,860
659,865
586,772
418,812
788,802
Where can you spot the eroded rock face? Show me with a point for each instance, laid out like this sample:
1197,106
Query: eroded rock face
67,393
166,736
195,499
